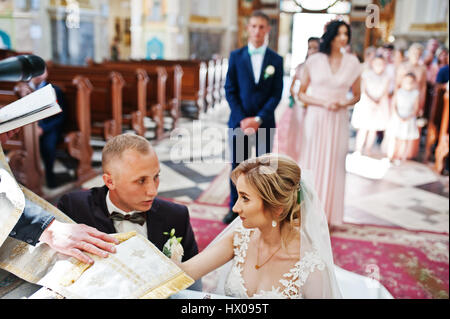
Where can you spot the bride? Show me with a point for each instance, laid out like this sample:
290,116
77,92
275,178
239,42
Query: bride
280,246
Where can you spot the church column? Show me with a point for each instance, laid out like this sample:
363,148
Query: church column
230,23
137,50
177,35
101,43
41,32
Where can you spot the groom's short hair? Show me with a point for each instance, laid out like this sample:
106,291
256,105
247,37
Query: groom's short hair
260,14
116,146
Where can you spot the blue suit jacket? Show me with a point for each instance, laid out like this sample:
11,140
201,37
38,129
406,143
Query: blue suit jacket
247,99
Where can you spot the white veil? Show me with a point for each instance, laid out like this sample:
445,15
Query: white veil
314,235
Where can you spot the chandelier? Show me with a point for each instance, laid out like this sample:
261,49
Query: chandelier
315,5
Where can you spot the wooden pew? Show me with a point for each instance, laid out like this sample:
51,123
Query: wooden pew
217,81
193,84
134,98
156,89
442,149
173,89
209,96
24,157
434,122
105,99
77,128
24,148
7,96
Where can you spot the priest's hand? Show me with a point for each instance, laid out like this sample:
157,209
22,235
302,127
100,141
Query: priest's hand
73,239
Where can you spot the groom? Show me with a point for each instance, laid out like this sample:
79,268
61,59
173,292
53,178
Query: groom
253,87
128,201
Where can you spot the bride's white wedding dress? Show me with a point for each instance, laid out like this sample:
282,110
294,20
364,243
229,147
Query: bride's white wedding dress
351,285
290,286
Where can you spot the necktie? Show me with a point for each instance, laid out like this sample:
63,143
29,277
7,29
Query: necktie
252,51
138,218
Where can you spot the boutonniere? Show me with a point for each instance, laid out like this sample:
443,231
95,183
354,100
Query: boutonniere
172,248
269,71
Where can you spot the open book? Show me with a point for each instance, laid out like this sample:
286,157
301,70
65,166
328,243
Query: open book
31,108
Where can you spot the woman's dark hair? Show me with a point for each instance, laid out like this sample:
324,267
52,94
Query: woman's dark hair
331,32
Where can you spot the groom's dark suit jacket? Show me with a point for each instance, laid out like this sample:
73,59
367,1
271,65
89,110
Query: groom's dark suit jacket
247,99
89,207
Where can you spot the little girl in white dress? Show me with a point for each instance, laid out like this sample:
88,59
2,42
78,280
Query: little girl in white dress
405,105
371,113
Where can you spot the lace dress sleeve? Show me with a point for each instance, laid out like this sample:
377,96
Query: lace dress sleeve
317,283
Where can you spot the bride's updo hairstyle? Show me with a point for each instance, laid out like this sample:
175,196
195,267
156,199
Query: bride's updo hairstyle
277,180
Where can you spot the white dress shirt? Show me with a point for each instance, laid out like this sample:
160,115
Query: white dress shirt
123,226
257,61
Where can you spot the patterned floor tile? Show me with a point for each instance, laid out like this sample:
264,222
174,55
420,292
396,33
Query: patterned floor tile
186,170
357,187
203,186
207,169
219,190
408,207
171,180
411,173
190,192
438,188
354,215
94,182
209,212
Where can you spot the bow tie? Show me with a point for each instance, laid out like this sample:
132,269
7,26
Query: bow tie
261,50
138,218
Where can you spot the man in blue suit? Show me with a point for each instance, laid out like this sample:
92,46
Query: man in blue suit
253,87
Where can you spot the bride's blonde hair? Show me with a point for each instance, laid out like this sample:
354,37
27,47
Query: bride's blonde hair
277,180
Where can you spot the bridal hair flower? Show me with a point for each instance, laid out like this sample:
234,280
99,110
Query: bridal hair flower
172,248
300,195
270,70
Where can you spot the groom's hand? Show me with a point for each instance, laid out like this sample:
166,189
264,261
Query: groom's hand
249,126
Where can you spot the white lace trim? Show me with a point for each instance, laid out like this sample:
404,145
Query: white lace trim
295,278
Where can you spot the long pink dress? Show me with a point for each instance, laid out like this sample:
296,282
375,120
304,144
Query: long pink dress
295,123
325,135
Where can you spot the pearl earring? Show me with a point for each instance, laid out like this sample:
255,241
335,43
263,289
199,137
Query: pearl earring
274,223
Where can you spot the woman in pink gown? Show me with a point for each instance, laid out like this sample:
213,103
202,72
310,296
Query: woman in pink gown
329,75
